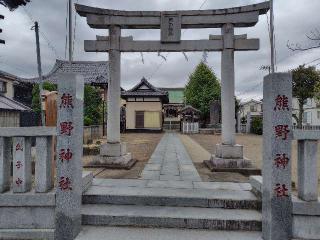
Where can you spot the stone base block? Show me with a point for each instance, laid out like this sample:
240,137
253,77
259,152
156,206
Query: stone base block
113,149
122,162
230,163
229,151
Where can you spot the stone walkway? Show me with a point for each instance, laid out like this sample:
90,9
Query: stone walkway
170,162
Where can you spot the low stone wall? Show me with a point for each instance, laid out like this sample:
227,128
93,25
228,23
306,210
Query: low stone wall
306,215
91,133
31,215
28,213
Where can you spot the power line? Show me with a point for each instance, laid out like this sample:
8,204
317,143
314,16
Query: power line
250,89
50,45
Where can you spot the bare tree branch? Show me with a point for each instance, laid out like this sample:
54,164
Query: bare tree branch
298,47
313,36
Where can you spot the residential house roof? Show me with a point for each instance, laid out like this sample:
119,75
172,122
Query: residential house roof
251,101
93,72
145,89
188,108
12,105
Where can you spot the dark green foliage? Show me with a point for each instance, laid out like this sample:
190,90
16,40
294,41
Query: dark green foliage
92,102
257,126
92,106
305,84
36,99
202,88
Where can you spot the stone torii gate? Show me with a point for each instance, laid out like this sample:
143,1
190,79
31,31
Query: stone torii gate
171,22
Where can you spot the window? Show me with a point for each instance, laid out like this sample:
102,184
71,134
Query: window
3,87
253,108
305,118
318,114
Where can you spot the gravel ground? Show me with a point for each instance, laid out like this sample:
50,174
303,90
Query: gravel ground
141,146
252,149
198,154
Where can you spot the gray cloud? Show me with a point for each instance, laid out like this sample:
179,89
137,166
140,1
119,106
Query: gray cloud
292,23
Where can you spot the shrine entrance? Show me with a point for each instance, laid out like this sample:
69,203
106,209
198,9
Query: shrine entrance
171,24
170,193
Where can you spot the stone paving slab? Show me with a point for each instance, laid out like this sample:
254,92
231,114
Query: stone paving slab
151,175
25,234
147,183
223,185
171,192
152,167
169,177
172,160
170,184
158,196
119,182
174,217
171,212
126,233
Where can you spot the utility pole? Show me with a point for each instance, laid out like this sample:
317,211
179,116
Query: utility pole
272,37
36,28
2,41
70,31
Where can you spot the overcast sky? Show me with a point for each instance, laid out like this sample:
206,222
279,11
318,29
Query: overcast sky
293,19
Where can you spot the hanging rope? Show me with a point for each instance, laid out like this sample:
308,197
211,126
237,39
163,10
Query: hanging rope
185,56
142,59
163,57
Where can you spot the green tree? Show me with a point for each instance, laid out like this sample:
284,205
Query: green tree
92,106
203,87
256,126
92,102
305,84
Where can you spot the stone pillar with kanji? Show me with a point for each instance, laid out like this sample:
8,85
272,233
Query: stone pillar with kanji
276,172
69,155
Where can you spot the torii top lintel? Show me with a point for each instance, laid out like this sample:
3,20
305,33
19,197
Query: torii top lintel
244,16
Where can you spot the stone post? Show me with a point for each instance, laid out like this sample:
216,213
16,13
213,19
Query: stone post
276,172
307,164
228,153
43,169
114,94
307,170
21,164
5,162
69,156
227,86
114,154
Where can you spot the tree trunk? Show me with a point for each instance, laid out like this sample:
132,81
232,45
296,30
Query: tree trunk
300,114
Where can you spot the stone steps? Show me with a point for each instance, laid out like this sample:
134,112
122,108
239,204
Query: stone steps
145,196
127,233
171,217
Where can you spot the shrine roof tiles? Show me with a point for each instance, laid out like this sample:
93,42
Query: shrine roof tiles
12,105
149,91
93,72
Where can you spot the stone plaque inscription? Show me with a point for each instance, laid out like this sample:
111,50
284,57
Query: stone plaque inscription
170,28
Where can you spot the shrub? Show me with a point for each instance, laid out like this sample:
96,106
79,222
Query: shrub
256,126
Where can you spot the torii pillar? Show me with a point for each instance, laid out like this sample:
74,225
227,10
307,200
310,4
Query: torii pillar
228,153
114,153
